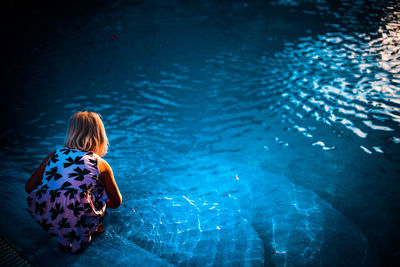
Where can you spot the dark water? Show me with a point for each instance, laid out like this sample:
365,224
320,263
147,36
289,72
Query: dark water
242,133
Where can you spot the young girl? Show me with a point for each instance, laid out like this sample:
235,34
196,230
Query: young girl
69,192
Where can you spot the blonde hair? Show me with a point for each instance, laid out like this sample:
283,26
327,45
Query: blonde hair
86,132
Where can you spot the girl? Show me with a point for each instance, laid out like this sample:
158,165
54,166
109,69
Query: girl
69,192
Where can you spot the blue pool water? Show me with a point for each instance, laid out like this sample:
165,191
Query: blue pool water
242,133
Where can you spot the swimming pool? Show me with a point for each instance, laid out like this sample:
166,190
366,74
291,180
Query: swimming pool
242,133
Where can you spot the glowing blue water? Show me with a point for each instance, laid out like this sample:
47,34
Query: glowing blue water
242,134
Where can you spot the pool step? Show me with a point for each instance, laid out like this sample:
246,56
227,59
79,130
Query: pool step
10,257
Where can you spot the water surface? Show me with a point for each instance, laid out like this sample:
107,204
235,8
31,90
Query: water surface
242,134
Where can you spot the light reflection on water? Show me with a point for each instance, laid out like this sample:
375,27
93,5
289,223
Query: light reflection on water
246,146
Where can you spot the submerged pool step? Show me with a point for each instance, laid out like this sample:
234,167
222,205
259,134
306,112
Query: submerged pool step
10,257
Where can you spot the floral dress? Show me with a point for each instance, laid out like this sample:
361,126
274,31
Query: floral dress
70,202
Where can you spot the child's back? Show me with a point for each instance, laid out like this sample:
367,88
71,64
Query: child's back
70,202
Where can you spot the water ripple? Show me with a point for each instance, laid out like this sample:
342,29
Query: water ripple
196,119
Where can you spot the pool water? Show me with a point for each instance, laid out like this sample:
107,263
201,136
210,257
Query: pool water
241,133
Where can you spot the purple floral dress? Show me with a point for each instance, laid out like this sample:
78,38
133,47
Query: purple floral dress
70,202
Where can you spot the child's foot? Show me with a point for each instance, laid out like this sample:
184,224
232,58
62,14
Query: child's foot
100,229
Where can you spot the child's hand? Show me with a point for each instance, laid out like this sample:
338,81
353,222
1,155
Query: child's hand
111,205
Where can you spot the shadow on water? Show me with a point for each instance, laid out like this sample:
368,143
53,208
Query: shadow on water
252,133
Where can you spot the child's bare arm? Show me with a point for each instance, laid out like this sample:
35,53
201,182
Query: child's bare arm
37,176
106,176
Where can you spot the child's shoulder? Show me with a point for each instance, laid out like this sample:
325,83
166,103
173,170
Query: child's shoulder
103,164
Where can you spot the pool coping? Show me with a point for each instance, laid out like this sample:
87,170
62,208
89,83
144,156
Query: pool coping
9,256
